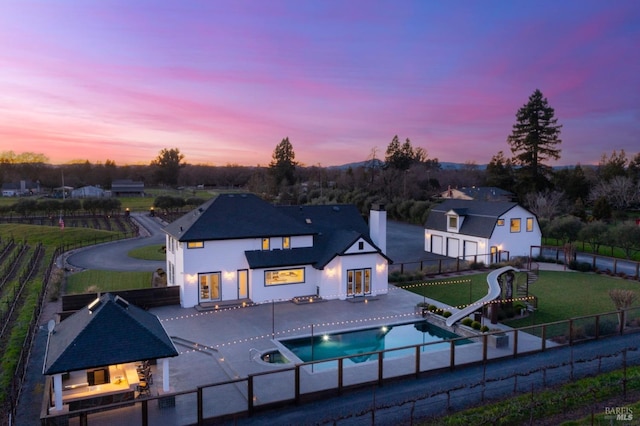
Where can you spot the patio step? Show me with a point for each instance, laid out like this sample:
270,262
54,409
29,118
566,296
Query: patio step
223,304
302,300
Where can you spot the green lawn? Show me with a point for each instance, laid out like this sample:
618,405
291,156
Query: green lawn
104,281
561,295
153,252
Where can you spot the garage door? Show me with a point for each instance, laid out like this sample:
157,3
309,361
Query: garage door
470,250
453,245
436,244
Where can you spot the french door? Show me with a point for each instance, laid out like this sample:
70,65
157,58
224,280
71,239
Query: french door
358,282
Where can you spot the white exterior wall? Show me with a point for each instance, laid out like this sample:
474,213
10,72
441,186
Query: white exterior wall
228,256
516,243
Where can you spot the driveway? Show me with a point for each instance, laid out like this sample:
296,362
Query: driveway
113,256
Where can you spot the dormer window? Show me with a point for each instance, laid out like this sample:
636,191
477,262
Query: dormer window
265,244
453,222
286,242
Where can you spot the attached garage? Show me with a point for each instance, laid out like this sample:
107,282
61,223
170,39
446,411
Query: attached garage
453,247
436,244
469,250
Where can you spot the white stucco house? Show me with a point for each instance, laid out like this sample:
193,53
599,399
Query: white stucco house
481,231
238,247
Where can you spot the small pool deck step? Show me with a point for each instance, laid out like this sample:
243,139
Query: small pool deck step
223,304
303,300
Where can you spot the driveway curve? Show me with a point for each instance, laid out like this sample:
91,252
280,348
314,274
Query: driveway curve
113,256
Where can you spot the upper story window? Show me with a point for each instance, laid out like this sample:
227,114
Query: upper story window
195,244
500,222
515,225
453,222
286,242
265,244
529,224
360,245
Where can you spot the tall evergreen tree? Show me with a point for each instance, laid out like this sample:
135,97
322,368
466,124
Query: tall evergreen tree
283,164
535,139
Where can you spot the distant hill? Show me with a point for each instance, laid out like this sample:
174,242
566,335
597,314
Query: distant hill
379,163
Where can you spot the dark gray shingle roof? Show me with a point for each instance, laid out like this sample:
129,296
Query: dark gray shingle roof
235,216
114,332
479,216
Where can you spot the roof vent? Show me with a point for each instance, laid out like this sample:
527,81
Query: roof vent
308,221
336,208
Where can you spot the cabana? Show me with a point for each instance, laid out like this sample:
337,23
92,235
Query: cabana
93,356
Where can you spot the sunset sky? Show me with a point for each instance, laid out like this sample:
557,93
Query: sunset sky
226,81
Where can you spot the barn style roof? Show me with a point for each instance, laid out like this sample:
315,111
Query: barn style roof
480,217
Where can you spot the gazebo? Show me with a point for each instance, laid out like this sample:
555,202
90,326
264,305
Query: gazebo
93,355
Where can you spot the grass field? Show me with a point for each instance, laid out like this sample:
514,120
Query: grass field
561,295
152,252
104,281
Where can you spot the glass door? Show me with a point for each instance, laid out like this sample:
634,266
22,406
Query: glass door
243,284
358,282
209,287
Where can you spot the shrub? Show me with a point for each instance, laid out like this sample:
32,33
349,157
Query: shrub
467,321
476,325
580,266
484,328
446,314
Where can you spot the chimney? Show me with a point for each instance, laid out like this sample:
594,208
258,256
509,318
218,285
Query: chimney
378,226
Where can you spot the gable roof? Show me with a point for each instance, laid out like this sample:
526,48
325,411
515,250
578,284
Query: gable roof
111,332
234,216
480,217
334,228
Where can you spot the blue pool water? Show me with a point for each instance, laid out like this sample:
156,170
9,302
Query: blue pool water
352,343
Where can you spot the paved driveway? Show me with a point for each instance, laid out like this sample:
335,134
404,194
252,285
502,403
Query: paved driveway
113,256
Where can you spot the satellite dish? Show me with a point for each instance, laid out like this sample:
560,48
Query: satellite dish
51,325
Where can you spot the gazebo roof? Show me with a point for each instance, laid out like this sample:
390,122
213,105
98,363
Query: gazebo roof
107,331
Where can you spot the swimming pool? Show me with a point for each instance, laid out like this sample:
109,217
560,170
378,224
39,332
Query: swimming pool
352,343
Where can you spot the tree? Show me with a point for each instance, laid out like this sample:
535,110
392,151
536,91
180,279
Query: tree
283,164
565,229
499,172
167,166
594,233
613,166
399,157
534,139
545,204
627,237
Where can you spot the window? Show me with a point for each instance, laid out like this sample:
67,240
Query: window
500,222
286,242
453,222
360,245
265,244
529,224
195,244
515,225
284,276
